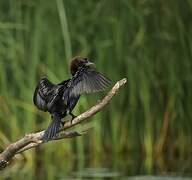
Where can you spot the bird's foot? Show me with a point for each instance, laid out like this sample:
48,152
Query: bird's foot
62,123
73,117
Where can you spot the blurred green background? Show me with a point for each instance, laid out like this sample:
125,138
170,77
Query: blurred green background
147,127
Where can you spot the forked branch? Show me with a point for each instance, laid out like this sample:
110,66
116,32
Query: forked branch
35,139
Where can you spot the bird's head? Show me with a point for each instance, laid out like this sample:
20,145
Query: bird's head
79,62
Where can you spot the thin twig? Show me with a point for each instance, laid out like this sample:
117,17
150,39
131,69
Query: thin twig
62,135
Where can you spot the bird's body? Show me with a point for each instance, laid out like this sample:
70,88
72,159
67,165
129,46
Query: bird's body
60,99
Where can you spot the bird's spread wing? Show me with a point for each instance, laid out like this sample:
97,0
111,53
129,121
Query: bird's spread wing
87,80
45,94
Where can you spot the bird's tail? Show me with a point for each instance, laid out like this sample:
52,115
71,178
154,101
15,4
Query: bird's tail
53,128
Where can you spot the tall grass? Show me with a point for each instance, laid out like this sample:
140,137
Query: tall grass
149,42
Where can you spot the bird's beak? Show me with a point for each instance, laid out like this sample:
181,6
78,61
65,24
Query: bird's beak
90,64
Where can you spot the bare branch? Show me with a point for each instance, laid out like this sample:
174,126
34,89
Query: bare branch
62,135
35,139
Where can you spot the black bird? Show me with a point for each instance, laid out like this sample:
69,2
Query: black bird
60,99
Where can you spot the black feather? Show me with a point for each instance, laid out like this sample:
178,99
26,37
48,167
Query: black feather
87,80
46,94
53,128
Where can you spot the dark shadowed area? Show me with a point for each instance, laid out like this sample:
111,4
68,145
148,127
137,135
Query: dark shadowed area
145,132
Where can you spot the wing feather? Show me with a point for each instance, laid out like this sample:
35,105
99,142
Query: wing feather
87,80
45,94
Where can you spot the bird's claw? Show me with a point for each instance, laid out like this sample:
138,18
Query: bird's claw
73,117
62,123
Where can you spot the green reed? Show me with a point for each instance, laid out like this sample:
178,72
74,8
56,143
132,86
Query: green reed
149,42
